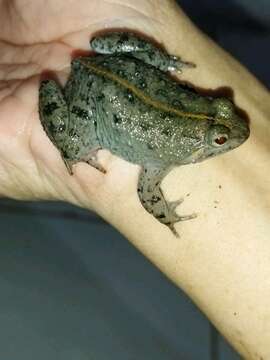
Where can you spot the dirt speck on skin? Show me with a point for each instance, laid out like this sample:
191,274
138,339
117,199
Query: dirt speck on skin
219,186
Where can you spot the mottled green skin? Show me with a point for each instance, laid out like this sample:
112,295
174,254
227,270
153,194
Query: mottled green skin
93,111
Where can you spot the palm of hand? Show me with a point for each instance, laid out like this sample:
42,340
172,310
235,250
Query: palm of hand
34,39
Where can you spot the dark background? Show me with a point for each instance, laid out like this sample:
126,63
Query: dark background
242,27
73,288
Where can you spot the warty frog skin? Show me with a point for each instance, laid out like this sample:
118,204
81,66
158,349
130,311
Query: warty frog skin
124,99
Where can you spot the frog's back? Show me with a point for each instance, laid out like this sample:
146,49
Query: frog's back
130,101
149,80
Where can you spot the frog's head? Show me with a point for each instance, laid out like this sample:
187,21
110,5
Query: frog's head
226,131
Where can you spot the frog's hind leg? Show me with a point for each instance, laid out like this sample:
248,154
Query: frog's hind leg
153,200
53,112
64,127
138,47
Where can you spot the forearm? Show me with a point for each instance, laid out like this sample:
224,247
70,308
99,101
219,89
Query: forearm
222,258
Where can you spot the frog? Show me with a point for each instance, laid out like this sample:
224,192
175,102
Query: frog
123,97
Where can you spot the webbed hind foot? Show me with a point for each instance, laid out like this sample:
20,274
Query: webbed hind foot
173,217
153,200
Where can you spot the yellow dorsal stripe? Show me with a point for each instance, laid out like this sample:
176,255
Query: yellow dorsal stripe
147,99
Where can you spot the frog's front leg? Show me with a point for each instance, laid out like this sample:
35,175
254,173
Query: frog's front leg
153,200
127,42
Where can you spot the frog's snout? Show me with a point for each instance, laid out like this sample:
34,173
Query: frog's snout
240,130
229,123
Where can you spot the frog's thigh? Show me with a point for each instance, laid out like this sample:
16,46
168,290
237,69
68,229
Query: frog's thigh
53,111
125,42
153,200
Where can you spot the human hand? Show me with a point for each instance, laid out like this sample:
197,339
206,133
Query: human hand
34,39
221,259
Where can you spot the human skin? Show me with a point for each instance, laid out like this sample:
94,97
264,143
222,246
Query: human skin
222,259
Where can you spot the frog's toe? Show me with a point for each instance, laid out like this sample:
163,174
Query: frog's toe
172,205
68,165
96,165
176,64
176,218
172,228
186,217
92,159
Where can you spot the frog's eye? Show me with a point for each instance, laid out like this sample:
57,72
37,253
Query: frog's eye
218,135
